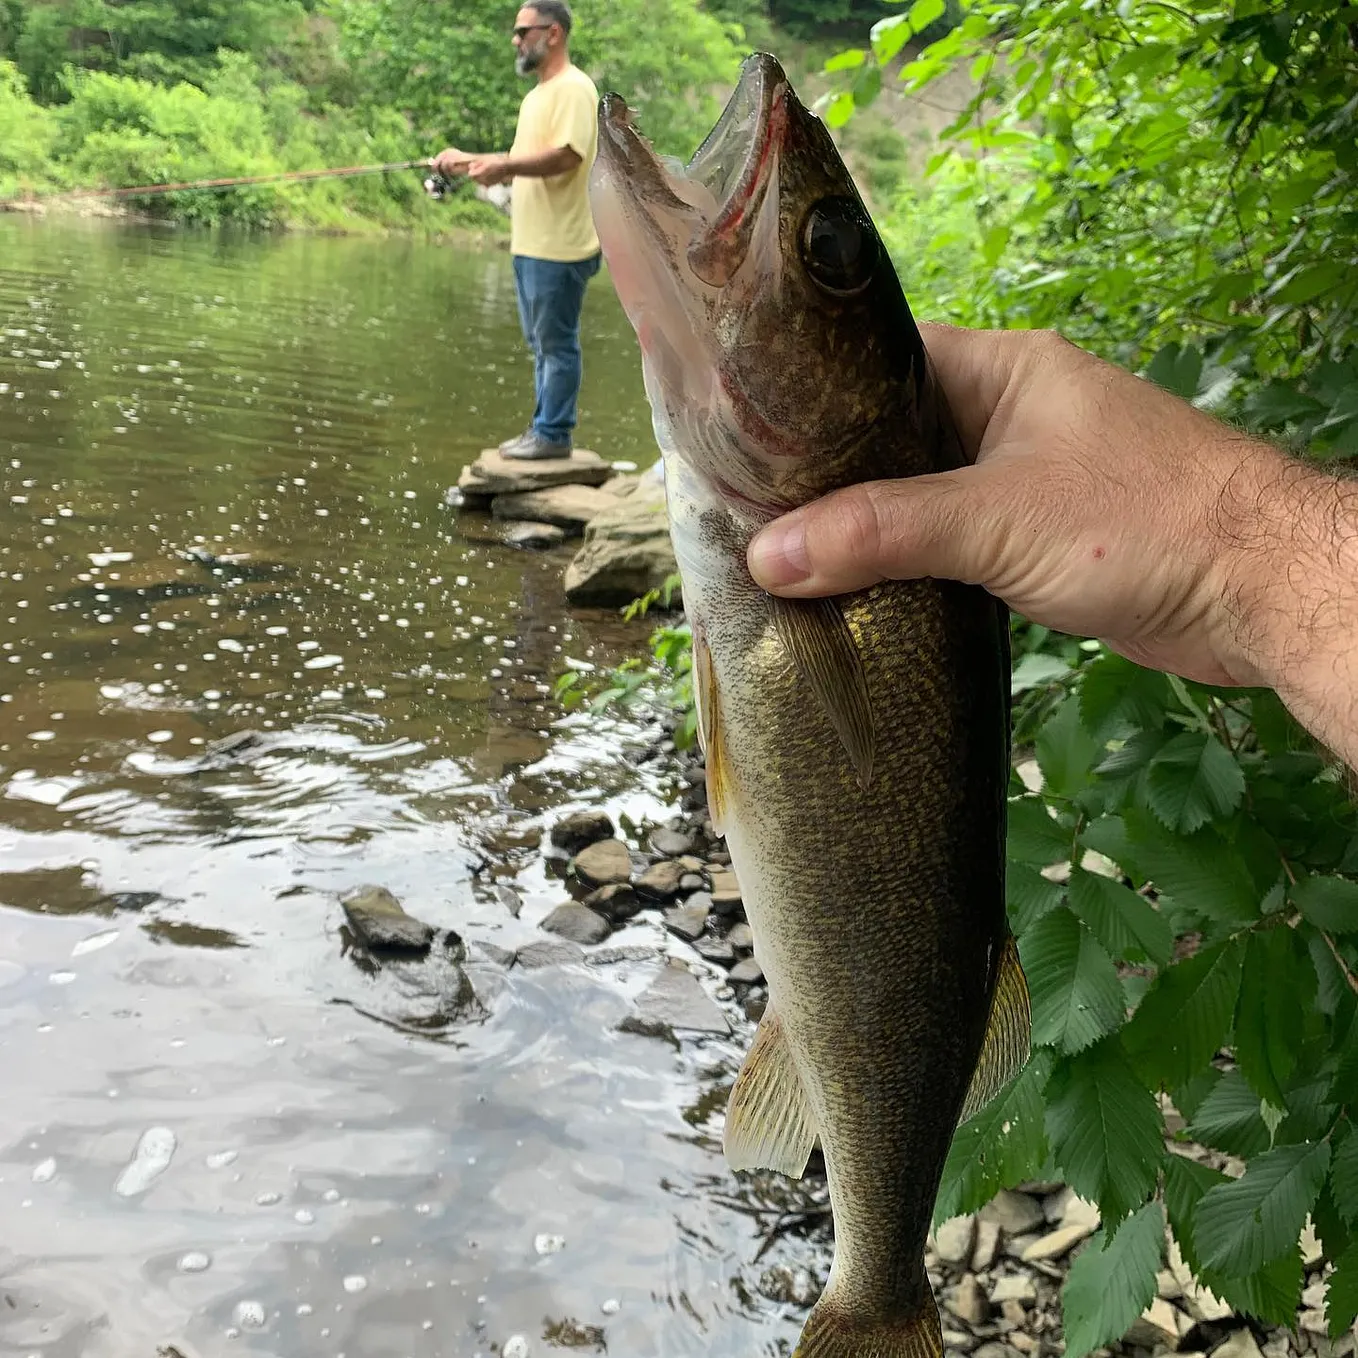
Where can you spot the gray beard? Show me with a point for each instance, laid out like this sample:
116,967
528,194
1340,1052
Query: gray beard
525,63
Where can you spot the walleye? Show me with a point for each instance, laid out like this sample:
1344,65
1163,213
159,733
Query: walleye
857,748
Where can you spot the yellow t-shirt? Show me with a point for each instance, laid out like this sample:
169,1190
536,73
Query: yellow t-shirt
550,218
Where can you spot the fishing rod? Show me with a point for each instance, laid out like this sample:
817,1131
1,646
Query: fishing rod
238,181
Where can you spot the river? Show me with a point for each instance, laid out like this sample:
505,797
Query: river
222,467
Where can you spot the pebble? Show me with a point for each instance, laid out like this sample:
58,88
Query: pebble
1056,1244
996,1350
1014,1287
954,1239
748,972
740,936
618,902
1312,1251
1014,1313
726,898
1014,1213
968,1301
572,833
987,1244
672,843
692,866
577,923
603,862
692,881
688,921
381,922
715,950
1156,1326
149,1161
660,881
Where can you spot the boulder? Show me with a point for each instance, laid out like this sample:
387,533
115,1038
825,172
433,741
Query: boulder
577,923
380,923
569,508
493,474
580,828
626,551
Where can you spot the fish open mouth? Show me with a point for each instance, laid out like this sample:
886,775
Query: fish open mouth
725,182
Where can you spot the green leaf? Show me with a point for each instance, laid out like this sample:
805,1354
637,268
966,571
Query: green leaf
1118,698
1029,896
1242,1225
1186,1015
925,12
1035,837
889,36
1105,1129
1177,368
1269,1023
1185,1183
850,60
838,109
1004,1144
1036,670
1228,1118
1112,1282
1201,871
1341,1295
1344,1177
1330,903
1072,983
1277,403
1193,779
1065,750
1272,1293
1127,925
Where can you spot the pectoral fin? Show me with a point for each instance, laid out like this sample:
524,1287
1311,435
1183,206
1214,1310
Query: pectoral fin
707,701
822,648
1005,1049
768,1121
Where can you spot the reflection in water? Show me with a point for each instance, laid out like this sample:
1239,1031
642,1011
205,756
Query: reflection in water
248,662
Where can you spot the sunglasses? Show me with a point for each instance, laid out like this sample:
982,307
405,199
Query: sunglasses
525,29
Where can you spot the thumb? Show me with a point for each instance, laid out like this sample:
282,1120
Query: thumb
880,530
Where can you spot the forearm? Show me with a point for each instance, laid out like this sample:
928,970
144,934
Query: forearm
542,164
1292,592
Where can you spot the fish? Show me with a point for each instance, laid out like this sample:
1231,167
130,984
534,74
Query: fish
856,748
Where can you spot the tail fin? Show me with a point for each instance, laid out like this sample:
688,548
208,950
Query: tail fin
834,1333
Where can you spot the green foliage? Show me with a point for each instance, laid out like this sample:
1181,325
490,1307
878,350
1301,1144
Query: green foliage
449,64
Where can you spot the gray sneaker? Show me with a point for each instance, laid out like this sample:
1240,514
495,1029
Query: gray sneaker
532,447
526,437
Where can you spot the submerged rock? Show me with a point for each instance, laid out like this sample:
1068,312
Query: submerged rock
604,862
381,924
549,952
533,536
572,833
617,902
676,1001
578,923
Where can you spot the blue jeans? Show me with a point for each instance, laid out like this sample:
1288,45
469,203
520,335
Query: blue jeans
550,296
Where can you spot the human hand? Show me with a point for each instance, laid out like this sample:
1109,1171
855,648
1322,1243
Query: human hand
1098,505
451,162
489,170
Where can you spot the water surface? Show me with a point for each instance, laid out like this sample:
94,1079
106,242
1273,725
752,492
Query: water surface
222,465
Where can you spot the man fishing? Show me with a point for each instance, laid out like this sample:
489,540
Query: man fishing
552,237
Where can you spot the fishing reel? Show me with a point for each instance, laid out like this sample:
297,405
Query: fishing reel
437,186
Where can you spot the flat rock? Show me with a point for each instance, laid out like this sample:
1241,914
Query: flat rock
622,952
954,1238
726,899
1014,1287
994,1349
688,921
716,950
510,899
568,508
748,972
987,1243
580,828
493,953
626,551
1056,1244
739,936
533,536
617,902
549,952
577,923
1014,1213
1156,1327
381,924
660,881
692,881
675,1000
494,474
603,863
1078,1211
672,843
1240,1345
968,1301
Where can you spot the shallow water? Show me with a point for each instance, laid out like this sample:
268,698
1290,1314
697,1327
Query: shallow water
221,475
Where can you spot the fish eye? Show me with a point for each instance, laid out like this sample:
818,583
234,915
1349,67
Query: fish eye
839,246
